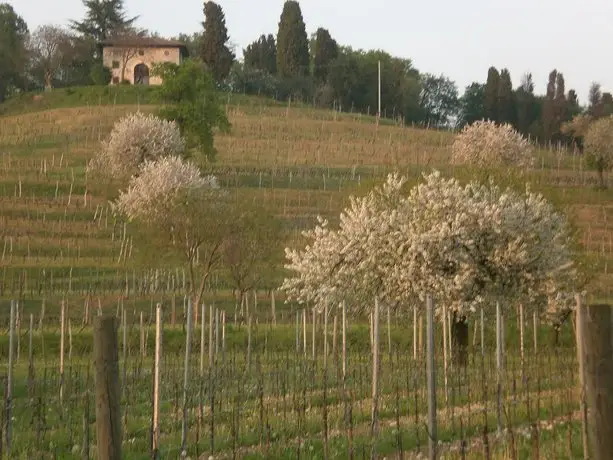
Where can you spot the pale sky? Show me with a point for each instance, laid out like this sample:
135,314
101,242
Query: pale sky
461,39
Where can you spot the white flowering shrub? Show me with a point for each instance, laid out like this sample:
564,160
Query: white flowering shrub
599,145
135,139
159,187
468,246
180,213
486,144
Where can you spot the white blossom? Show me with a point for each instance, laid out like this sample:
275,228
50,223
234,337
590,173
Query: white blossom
466,245
485,144
153,193
135,139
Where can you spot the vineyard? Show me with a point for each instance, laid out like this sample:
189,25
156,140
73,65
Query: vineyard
266,379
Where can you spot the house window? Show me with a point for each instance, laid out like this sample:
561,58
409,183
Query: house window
115,80
115,64
166,53
141,53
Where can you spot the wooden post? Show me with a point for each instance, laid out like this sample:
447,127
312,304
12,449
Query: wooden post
202,334
155,439
389,332
142,336
431,377
9,381
211,324
521,333
273,307
580,329
596,323
374,428
108,417
313,335
499,366
344,340
304,332
414,332
445,331
188,350
62,324
482,334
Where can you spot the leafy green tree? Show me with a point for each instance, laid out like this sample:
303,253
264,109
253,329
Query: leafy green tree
103,19
506,99
13,52
325,50
439,101
262,54
188,92
215,52
491,94
353,81
192,42
292,42
472,104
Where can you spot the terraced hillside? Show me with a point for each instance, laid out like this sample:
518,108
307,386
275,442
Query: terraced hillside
58,236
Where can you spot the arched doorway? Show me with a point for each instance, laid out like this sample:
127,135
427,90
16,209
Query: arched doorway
141,74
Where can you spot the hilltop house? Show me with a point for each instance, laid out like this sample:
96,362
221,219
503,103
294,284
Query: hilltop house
131,58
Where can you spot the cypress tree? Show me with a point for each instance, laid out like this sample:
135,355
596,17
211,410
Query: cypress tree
262,54
292,42
215,52
506,102
526,105
549,108
491,94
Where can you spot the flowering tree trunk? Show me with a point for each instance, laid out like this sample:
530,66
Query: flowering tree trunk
459,340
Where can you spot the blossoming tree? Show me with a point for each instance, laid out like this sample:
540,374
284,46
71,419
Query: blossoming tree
599,145
486,144
469,246
180,213
135,139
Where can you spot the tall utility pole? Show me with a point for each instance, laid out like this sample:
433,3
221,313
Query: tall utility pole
379,91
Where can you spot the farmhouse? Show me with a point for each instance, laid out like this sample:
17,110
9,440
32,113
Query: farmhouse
131,59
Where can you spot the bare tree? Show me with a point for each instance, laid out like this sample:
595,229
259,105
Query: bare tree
47,48
252,248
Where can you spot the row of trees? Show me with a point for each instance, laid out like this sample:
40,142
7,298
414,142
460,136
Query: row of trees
291,64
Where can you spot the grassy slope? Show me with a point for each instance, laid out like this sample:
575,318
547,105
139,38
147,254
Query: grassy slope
302,161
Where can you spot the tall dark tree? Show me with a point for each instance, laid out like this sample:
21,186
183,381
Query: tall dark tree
472,104
527,112
262,54
491,94
561,105
13,53
438,100
594,99
103,19
292,42
215,52
548,117
506,100
325,50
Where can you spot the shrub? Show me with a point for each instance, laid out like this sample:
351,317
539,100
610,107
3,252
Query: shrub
486,144
154,192
599,146
135,139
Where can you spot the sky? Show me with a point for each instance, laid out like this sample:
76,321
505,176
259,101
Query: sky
461,39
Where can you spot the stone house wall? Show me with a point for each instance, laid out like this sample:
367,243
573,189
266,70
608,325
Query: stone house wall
115,57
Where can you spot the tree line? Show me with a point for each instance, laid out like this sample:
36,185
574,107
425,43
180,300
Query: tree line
291,64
